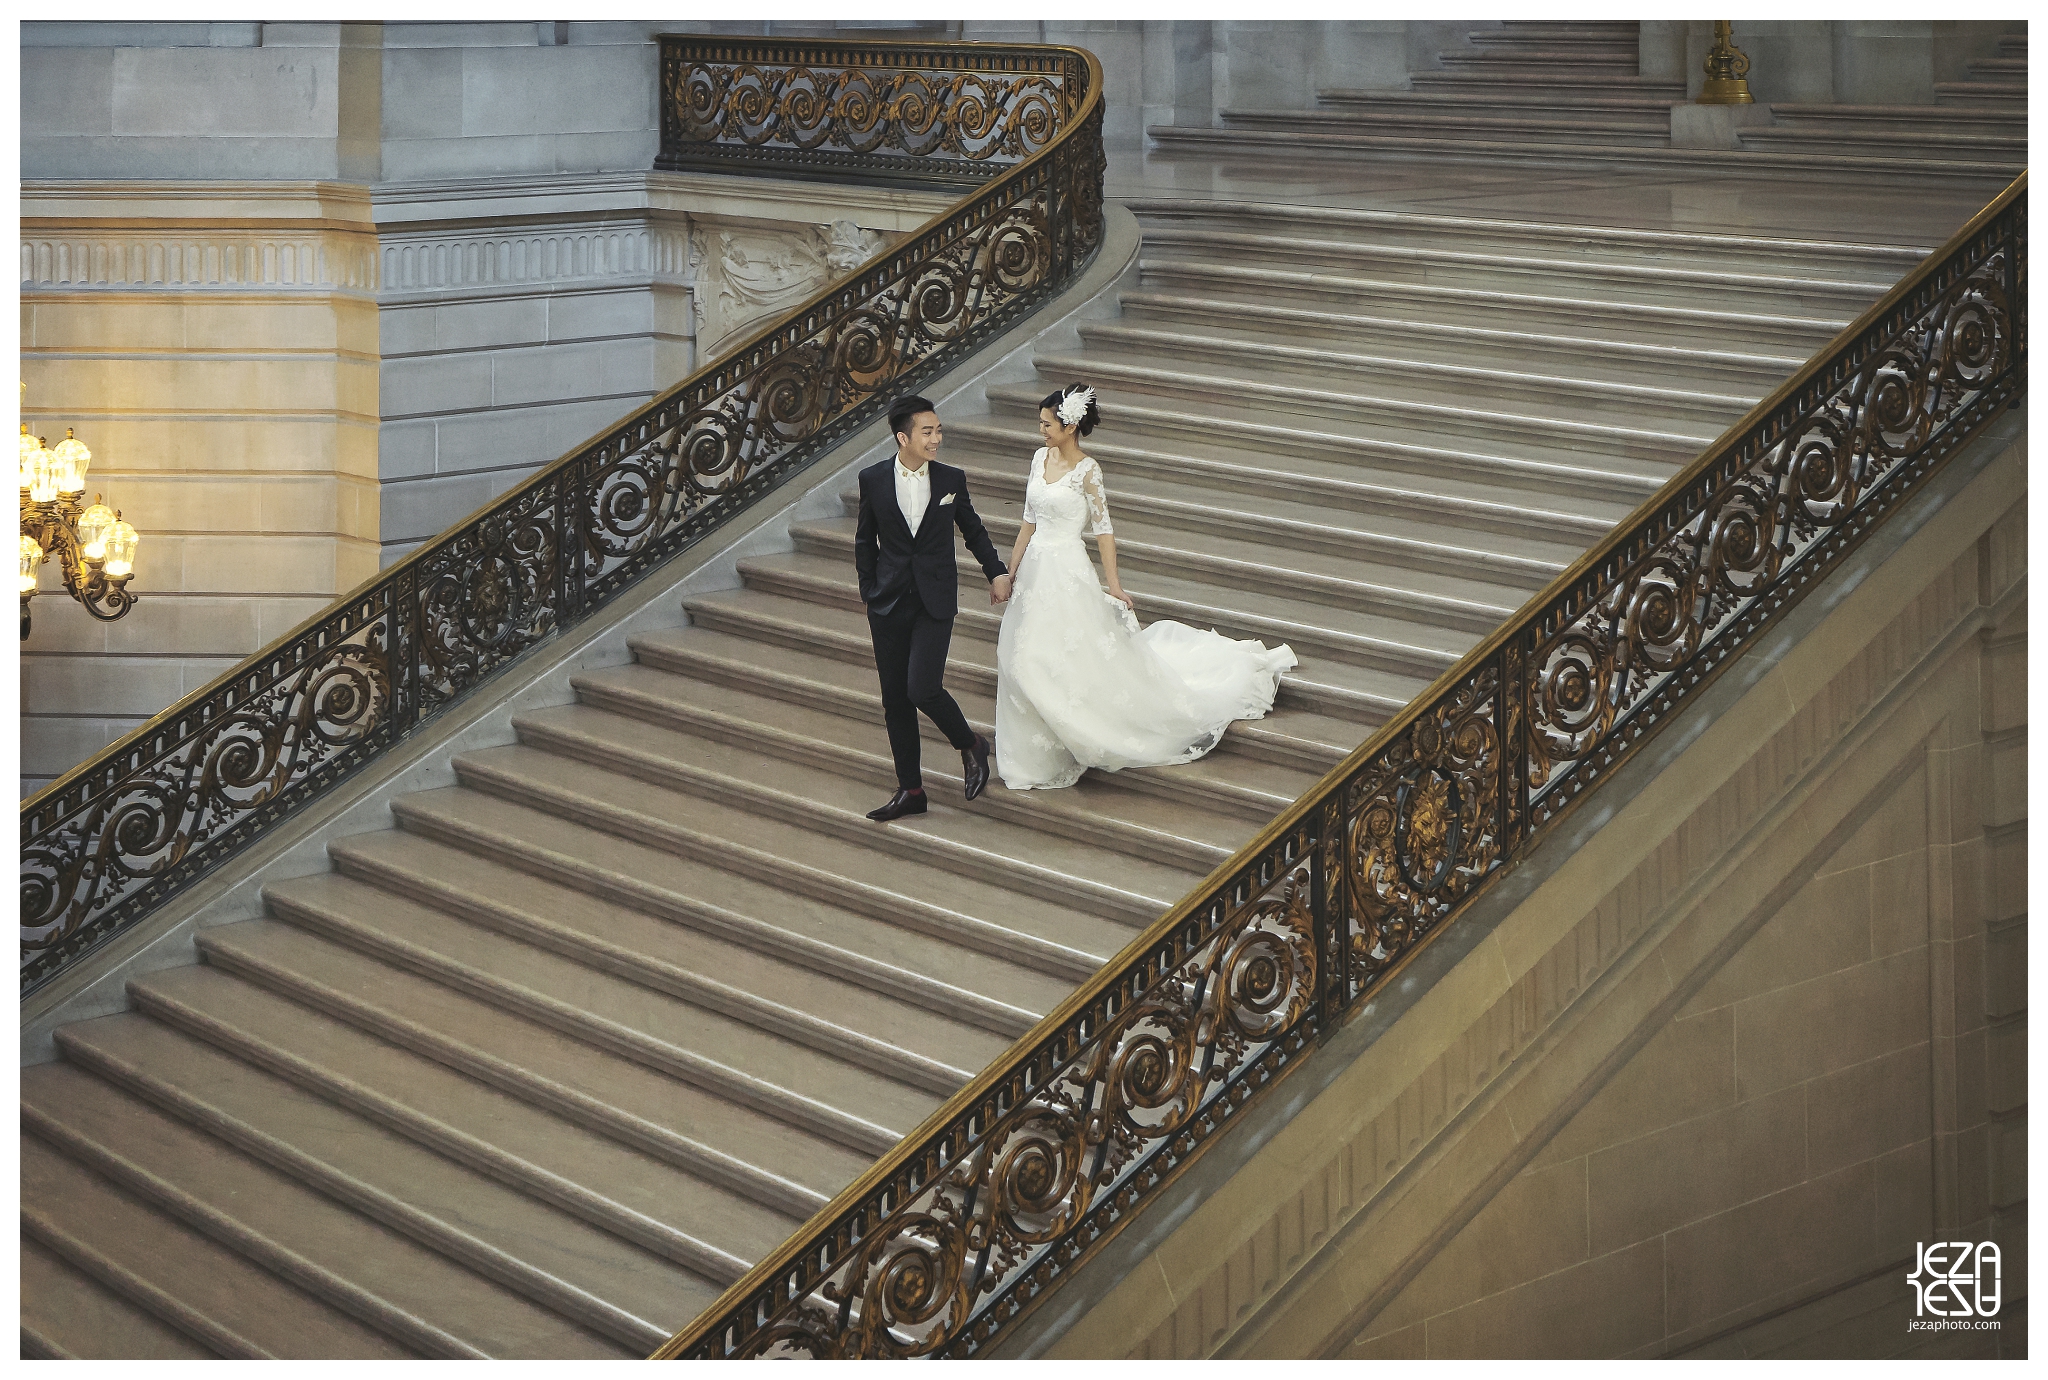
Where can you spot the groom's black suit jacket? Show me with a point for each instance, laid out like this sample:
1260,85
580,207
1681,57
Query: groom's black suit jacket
893,561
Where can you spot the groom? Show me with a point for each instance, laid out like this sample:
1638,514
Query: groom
903,551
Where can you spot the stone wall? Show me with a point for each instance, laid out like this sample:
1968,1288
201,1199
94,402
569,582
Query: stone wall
314,292
1849,61
1707,1081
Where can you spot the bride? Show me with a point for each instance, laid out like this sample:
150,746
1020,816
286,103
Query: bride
1078,683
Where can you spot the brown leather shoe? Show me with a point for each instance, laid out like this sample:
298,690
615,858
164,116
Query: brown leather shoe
900,804
974,764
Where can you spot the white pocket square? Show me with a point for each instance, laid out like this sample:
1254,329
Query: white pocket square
947,499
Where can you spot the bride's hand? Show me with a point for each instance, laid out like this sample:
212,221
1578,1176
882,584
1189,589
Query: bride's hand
1116,593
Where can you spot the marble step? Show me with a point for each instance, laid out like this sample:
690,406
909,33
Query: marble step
1480,424
160,1287
1514,60
1209,548
1488,101
835,1098
822,684
874,875
1335,688
1396,648
1532,82
1426,123
1660,325
625,1195
611,895
615,1081
2012,45
1618,40
801,732
2005,67
1905,118
586,1275
817,1010
1874,265
67,1314
1985,146
1424,340
1988,95
968,844
1266,426
1448,511
1265,145
1573,394
1673,278
451,1296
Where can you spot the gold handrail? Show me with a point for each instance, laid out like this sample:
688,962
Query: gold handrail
1323,907
124,831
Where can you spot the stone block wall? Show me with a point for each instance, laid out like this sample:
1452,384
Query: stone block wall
218,355
314,293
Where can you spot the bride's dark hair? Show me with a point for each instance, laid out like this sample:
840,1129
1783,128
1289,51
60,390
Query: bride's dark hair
1089,419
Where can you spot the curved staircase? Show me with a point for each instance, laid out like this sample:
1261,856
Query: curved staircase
542,1069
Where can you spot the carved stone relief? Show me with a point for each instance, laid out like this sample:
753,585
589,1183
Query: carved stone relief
746,273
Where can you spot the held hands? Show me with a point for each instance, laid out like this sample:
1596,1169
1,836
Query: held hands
999,590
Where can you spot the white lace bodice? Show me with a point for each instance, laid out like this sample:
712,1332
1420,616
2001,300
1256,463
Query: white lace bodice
1074,505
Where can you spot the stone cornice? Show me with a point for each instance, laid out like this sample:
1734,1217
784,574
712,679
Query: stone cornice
51,204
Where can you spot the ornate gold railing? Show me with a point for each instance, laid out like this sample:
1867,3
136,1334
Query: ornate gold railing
1030,1168
142,820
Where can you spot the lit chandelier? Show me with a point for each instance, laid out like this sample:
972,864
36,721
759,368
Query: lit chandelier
96,547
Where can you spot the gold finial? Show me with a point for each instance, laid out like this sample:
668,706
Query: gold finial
1726,66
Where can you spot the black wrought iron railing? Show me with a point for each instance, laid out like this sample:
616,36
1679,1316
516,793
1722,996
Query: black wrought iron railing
129,829
1030,1168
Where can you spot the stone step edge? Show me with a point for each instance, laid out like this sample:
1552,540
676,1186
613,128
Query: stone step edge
700,1071
1755,161
371,1309
734,1003
1559,432
1139,840
1478,336
1232,573
749,677
421,1226
949,855
1371,653
754,625
450,1142
1648,313
150,1298
1594,271
1029,950
1288,533
739,1176
1508,381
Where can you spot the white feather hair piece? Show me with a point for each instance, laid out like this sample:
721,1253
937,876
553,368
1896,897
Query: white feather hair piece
1074,406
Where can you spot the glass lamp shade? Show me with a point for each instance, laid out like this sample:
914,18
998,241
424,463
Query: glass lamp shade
94,525
69,463
42,479
121,543
31,457
31,557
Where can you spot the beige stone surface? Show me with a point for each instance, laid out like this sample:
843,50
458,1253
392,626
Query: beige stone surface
1806,1082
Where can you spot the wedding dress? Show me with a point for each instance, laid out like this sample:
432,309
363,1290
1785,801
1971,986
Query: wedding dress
1079,684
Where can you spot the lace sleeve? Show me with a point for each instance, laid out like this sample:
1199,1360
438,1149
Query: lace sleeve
1098,501
1030,487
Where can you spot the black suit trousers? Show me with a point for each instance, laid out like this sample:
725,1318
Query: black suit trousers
910,655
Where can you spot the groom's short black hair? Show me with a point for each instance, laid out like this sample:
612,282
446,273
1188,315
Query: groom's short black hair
903,409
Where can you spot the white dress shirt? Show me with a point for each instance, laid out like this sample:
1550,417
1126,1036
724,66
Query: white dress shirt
913,492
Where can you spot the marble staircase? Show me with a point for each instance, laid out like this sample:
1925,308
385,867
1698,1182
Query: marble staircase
543,1068
1572,93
